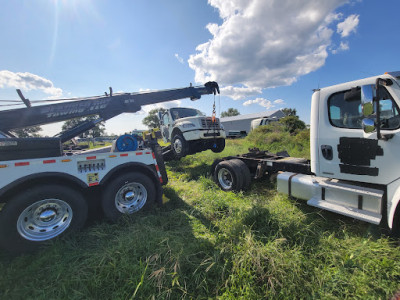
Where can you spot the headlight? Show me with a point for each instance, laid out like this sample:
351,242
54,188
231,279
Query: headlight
188,125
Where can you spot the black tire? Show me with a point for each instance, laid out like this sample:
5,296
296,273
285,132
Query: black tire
179,146
245,172
116,202
219,146
228,176
39,214
214,165
395,232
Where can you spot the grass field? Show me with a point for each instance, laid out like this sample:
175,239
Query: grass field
205,243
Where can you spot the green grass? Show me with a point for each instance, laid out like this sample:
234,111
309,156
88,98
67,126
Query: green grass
205,243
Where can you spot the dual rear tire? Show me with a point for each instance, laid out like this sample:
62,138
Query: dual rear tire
232,175
38,214
128,194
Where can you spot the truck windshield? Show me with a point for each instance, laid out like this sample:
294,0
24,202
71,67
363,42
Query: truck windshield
180,112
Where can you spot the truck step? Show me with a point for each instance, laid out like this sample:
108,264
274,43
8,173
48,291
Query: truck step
364,191
352,212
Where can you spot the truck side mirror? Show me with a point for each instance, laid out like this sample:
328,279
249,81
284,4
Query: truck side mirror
367,98
368,125
367,102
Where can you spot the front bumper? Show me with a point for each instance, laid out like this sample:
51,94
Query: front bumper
204,134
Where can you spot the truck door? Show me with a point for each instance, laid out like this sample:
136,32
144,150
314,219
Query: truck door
166,127
349,150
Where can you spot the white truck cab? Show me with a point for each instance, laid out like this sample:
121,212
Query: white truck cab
190,131
354,167
355,137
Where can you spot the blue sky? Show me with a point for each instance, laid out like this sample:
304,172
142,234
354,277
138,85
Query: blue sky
264,54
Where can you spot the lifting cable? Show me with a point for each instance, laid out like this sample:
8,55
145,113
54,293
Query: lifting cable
214,123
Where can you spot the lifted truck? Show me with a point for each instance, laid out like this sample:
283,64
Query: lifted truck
354,168
43,193
189,131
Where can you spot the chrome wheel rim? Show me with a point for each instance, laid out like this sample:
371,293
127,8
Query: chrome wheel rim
130,198
225,178
44,220
178,146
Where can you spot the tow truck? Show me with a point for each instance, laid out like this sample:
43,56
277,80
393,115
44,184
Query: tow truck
354,167
43,193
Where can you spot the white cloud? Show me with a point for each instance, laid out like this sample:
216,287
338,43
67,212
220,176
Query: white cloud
180,59
147,108
264,102
348,26
279,101
260,101
343,47
237,93
262,44
333,17
28,81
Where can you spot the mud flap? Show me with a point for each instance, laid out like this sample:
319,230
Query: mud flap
158,153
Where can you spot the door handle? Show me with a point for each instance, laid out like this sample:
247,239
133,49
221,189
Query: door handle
327,152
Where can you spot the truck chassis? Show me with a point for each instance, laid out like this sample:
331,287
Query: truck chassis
234,173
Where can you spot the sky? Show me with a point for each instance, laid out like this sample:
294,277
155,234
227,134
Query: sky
264,54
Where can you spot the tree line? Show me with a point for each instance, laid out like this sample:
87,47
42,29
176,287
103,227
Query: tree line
291,120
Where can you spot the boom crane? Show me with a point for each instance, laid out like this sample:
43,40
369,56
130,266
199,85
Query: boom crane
106,107
43,192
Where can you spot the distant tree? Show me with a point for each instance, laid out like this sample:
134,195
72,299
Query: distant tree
293,124
96,131
289,111
230,113
26,132
152,120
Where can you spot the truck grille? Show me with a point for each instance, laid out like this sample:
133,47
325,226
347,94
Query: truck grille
208,124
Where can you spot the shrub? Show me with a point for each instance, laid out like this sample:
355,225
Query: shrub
276,137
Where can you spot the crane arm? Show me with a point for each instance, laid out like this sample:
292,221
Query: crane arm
106,107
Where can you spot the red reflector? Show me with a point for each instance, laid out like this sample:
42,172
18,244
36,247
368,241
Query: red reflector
26,163
125,154
147,152
139,153
154,157
93,184
91,157
50,161
157,168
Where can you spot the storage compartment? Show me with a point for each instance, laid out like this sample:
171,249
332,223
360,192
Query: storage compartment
24,148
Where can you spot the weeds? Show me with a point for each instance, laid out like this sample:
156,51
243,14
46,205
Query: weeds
205,243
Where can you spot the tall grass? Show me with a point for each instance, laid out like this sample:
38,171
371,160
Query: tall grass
205,243
275,138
